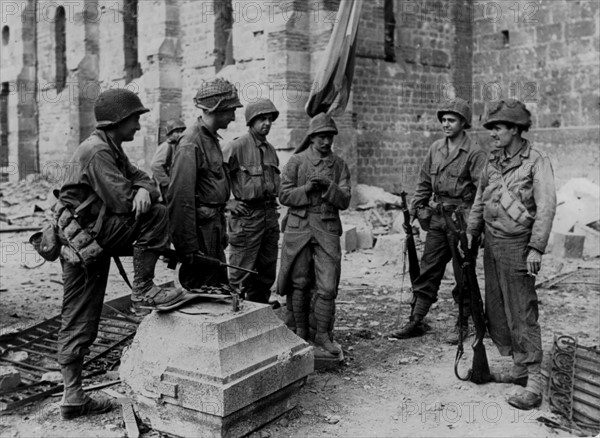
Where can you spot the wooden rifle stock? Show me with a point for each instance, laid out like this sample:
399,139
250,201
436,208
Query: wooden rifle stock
413,261
480,370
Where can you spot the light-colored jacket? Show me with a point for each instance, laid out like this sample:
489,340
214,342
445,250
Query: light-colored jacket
529,178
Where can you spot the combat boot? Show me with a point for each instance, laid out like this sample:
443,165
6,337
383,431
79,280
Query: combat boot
323,314
75,401
531,397
415,325
144,291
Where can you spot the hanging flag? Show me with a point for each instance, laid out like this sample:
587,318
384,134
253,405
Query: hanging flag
331,87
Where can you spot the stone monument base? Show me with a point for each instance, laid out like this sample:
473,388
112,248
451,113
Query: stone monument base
207,371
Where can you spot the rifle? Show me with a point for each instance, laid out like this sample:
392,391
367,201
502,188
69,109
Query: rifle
413,261
480,370
199,259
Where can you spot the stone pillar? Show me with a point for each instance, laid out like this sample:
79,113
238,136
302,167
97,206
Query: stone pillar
27,111
160,53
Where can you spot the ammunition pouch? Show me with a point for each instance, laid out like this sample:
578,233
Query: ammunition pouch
424,217
79,243
514,207
47,242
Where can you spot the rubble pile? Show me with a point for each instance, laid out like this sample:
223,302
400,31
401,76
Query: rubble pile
575,230
25,202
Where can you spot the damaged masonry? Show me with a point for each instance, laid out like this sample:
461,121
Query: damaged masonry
293,298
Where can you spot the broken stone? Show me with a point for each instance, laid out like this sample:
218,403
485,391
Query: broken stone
365,194
568,245
364,238
389,249
349,239
17,356
334,419
52,376
10,378
591,245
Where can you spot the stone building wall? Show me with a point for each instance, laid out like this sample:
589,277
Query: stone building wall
433,51
546,55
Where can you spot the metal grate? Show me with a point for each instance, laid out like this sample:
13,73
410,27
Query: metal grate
574,384
40,342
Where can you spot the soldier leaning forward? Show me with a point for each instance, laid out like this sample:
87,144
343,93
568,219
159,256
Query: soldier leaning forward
200,189
447,184
106,205
254,225
315,186
515,205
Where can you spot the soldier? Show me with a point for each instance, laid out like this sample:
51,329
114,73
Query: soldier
199,187
254,226
315,186
515,206
106,205
448,183
163,157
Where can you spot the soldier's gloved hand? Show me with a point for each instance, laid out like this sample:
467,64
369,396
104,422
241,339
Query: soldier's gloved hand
322,181
311,186
237,207
141,202
534,262
471,240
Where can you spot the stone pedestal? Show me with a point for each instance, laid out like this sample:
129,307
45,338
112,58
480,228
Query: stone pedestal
212,372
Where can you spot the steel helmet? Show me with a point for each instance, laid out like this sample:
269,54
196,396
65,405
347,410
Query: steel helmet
259,108
115,105
456,106
508,111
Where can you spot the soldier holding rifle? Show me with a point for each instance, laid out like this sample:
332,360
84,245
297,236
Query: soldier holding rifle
515,206
448,180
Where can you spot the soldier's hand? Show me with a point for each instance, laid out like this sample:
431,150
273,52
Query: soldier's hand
237,207
141,202
462,251
321,181
534,262
311,186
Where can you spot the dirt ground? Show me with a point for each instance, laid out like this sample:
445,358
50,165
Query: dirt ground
384,388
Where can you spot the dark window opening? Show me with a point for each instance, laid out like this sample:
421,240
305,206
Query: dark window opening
389,31
60,48
4,130
133,68
505,38
5,35
223,34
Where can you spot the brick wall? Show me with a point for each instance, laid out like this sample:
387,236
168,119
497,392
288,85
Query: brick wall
545,54
395,102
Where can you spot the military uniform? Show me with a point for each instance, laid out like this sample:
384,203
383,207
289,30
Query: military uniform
447,185
98,197
515,206
163,157
255,180
200,189
311,251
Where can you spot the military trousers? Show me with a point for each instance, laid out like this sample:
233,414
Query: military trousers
212,240
253,240
436,255
511,302
84,287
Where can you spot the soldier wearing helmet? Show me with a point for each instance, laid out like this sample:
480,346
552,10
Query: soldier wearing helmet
199,188
514,207
315,185
448,182
163,157
106,207
254,225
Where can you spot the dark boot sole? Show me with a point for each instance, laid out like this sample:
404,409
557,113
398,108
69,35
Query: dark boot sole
72,412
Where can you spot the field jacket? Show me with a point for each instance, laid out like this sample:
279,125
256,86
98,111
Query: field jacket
529,178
